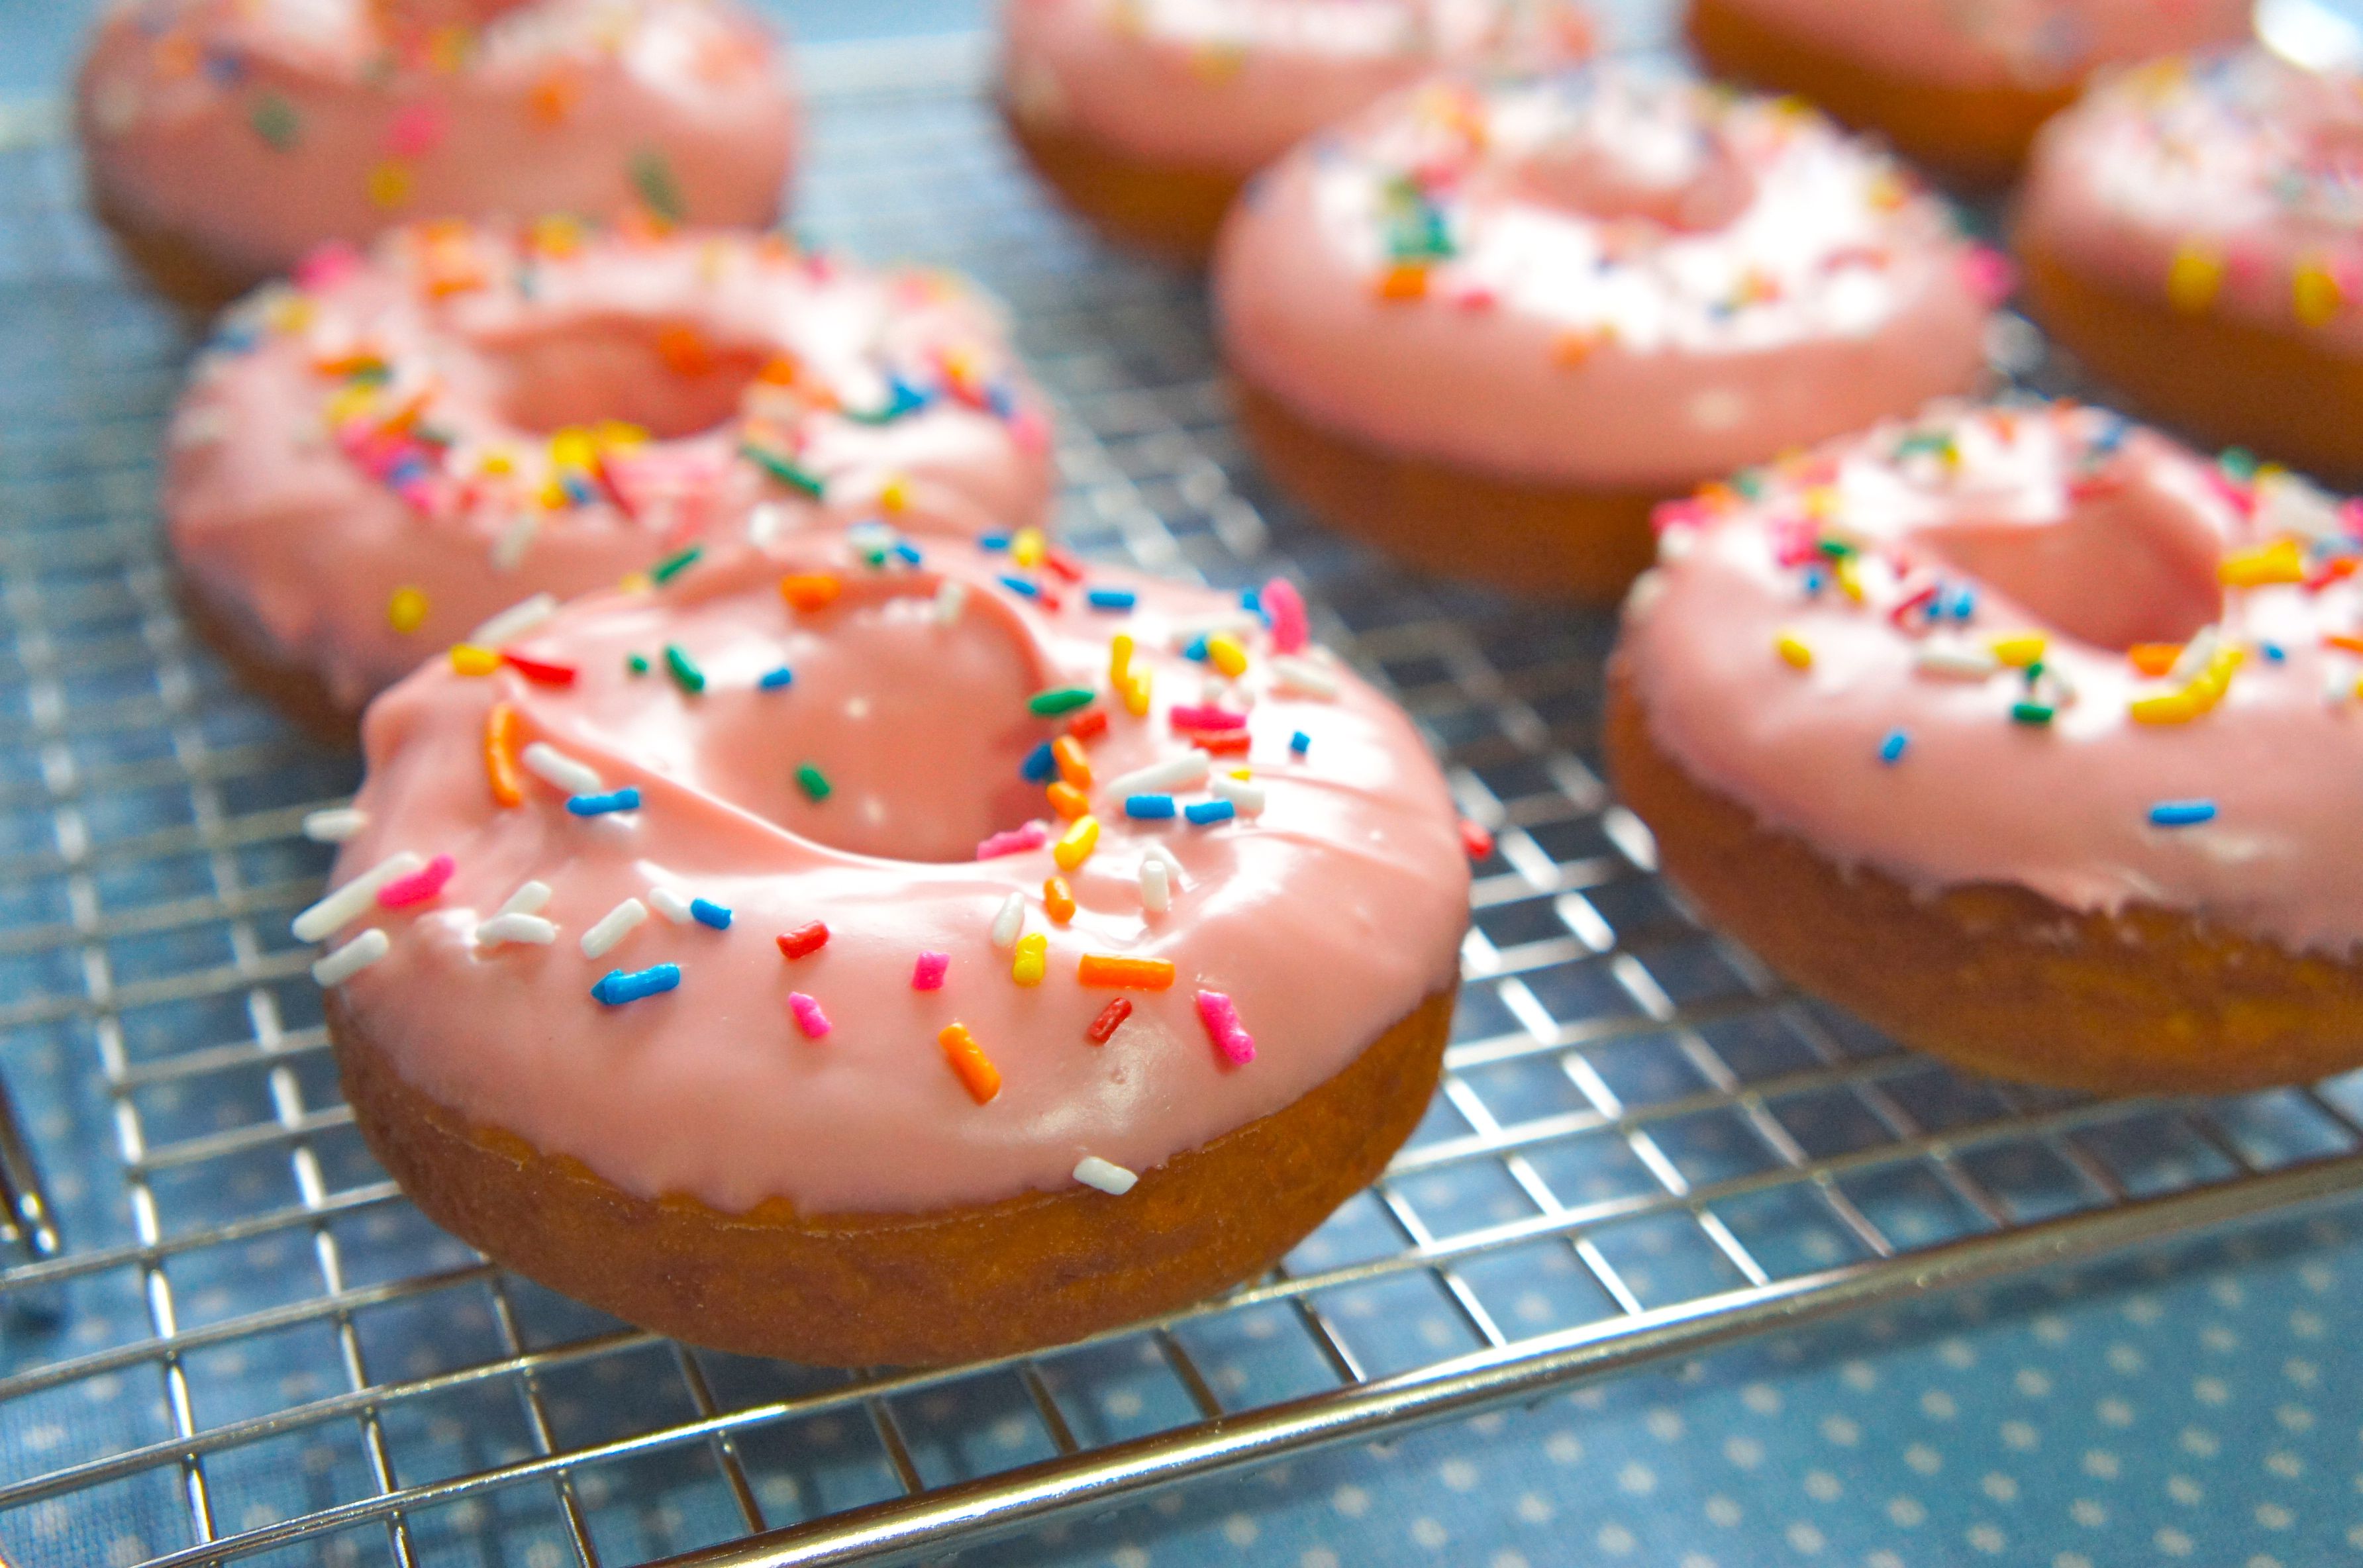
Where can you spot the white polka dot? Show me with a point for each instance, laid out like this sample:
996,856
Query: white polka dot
2304,1374
2124,1358
1169,1503
1565,1448
126,1549
2101,1465
1841,1431
1507,1559
2261,1561
1882,1558
2211,1390
545,1554
2318,1278
1805,1538
1822,1486
2273,1516
1350,1500
2051,1329
1240,1531
2115,1411
1958,1354
1317,1557
2172,1541
2071,1560
1722,1510
1858,1376
2294,1418
2201,1441
1664,1425
1429,1533
2032,1382
2305,1325
1121,1403
2144,1309
2285,1465
1907,1512
2088,1513
2000,1487
2219,1339
1744,1452
1534,1509
1761,1397
1491,1422
1010,1431
1988,1539
2020,1435
1637,1478
2184,1490
1923,1458
1697,1560
2355,1537
1459,1474
1614,1540
1937,1405
2227,1292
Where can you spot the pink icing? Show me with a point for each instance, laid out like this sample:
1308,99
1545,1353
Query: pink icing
1609,278
2001,43
1322,919
1228,85
257,128
2239,171
2066,522
303,498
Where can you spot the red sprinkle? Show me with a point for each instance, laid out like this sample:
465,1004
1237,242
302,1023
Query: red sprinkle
419,886
1206,716
1216,743
1475,840
1089,724
804,939
1104,1026
539,671
1065,564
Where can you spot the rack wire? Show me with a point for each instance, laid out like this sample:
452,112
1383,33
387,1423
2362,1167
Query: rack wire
247,1346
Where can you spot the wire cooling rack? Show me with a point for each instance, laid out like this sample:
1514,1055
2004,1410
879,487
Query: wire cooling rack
249,1346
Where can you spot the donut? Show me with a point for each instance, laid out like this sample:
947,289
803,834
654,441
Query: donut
1147,116
1487,328
1034,947
1961,87
2025,734
374,460
224,140
2190,230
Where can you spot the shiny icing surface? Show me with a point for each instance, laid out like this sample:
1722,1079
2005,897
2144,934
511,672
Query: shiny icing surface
259,129
1228,85
2229,183
1323,912
1611,278
2040,44
368,464
2120,674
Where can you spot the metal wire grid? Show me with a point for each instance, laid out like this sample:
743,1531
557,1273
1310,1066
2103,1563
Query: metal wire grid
252,1346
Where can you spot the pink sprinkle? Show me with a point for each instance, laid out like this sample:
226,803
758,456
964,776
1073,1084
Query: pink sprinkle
415,130
325,264
1290,629
1016,840
1988,274
419,886
1669,514
1222,1022
1029,431
1206,717
809,1017
927,973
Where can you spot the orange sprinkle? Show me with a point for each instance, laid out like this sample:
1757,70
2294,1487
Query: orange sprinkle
2154,659
1401,281
554,96
1125,974
977,1073
1074,767
1068,802
684,351
500,754
810,591
2342,643
1057,900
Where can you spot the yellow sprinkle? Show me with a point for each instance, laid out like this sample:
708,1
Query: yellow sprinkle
2193,277
557,236
636,582
895,495
1029,548
2280,561
2019,649
619,435
2172,708
497,462
2315,293
347,403
1792,651
1135,694
1119,659
1850,578
1224,654
1242,773
407,610
573,447
293,311
469,659
1075,845
554,497
1033,951
388,184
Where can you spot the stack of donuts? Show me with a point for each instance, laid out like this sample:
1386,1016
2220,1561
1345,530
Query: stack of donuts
797,904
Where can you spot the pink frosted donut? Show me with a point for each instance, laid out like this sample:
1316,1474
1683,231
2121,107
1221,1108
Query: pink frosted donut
236,135
1605,283
2193,228
370,462
781,945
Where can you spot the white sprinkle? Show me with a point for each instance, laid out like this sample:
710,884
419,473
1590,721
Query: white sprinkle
531,899
2291,506
555,767
1009,921
765,523
1247,797
1955,662
349,903
1156,886
509,548
613,927
1186,771
516,928
2197,655
671,905
1301,676
1645,591
1173,865
333,825
1674,543
950,596
1108,1176
198,427
516,620
2337,686
353,958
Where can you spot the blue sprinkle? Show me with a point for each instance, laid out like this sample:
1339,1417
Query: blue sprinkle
235,340
1206,812
1891,748
1197,648
1020,585
1251,601
626,798
1814,580
578,489
994,542
1300,743
1148,808
908,551
773,680
406,470
1001,400
2274,651
1113,598
615,987
2181,813
708,912
1040,766
2111,436
1964,604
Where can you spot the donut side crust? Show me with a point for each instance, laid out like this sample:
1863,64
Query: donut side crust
180,269
1995,978
296,691
1977,135
901,1289
1171,210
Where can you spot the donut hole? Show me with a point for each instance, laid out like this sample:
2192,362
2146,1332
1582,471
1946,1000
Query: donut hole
671,378
2134,563
1638,155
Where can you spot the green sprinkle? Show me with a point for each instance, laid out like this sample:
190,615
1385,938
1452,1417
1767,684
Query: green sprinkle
2030,712
813,782
636,663
652,177
2238,462
780,469
690,678
274,120
1749,482
1837,550
672,567
1058,699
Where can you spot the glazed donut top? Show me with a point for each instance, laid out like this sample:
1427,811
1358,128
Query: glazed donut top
262,127
2028,645
2001,43
376,458
1228,85
1609,277
2230,182
832,773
